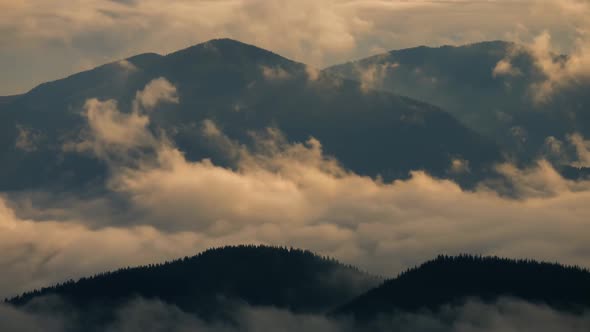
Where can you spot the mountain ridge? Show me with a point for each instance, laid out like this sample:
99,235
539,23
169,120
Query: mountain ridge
371,132
464,80
485,43
452,280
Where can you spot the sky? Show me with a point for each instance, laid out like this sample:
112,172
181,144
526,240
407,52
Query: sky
44,40
281,193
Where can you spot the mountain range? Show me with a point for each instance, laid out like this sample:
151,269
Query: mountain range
242,89
419,109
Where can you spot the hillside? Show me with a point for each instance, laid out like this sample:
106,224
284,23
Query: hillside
462,81
214,285
210,282
452,280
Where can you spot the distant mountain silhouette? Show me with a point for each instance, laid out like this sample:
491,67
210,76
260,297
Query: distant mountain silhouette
242,88
211,283
452,280
461,80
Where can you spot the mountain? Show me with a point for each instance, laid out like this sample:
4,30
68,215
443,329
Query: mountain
242,88
500,105
215,281
452,280
6,100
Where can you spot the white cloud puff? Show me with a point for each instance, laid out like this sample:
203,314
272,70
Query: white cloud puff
155,92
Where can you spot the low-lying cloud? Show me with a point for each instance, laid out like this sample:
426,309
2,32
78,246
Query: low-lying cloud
280,193
558,71
147,316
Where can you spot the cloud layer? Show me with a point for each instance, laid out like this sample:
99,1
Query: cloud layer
152,316
280,193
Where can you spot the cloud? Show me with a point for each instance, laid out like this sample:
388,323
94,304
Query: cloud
505,68
150,315
41,253
155,92
27,139
110,129
582,147
279,193
372,77
559,71
274,73
459,166
125,64
561,151
313,74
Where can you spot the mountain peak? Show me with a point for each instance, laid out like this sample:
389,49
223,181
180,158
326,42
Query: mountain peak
268,276
230,50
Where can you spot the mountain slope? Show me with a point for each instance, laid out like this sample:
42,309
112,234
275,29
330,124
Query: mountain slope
452,280
242,88
213,282
500,105
215,285
7,99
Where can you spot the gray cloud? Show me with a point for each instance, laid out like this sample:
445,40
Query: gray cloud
151,316
559,73
274,73
27,139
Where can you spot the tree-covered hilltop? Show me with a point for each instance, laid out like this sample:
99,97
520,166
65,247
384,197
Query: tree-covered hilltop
212,281
215,283
452,280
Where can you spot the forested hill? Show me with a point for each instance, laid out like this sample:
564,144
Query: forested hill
216,283
208,283
452,280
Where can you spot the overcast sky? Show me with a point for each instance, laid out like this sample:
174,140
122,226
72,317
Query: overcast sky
43,40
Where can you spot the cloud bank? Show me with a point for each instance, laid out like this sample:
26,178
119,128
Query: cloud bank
147,316
280,193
